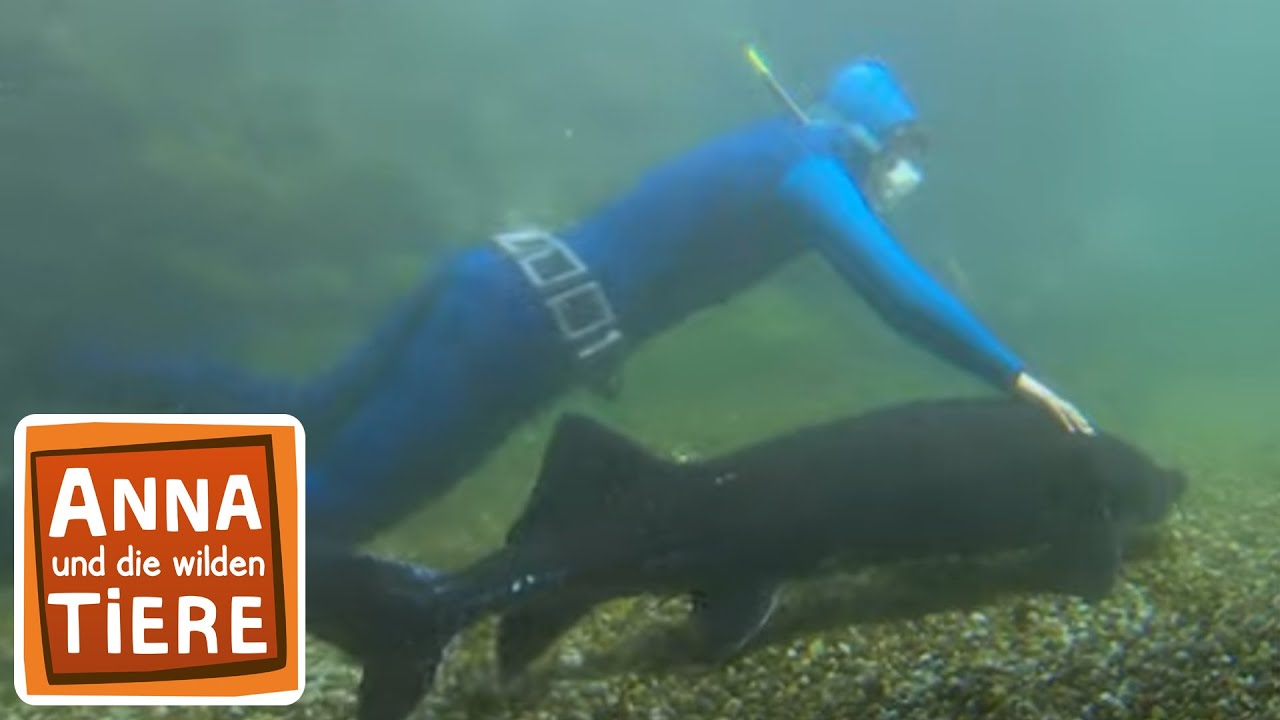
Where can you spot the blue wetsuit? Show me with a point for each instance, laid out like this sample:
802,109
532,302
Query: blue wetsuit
472,352
484,354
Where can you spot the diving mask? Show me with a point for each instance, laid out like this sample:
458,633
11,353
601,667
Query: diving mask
899,181
890,171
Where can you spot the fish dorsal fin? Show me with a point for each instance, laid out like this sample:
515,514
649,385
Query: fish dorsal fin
588,470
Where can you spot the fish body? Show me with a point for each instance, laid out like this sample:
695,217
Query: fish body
608,519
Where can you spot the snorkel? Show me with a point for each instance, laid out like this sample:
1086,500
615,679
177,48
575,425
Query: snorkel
762,69
875,117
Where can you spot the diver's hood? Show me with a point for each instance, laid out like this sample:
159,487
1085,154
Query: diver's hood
864,98
865,93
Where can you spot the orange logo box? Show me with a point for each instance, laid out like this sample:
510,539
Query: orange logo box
158,560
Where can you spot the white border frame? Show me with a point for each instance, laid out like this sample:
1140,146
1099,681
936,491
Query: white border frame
19,556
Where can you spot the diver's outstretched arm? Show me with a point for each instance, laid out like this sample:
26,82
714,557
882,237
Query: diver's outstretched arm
862,250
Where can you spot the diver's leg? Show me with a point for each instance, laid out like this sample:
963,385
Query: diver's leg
186,384
484,361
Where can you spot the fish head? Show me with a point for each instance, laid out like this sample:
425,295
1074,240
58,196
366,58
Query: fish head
1141,491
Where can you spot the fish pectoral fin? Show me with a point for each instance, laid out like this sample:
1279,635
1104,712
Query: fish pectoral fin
526,632
391,687
727,617
1085,563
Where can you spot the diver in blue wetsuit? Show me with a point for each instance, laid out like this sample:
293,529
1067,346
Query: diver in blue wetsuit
509,325
500,330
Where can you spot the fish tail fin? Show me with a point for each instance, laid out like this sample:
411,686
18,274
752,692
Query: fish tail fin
396,619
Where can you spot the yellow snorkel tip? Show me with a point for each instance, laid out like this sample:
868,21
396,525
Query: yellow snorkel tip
762,68
757,62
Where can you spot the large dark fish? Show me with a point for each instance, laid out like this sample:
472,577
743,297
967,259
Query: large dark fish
608,519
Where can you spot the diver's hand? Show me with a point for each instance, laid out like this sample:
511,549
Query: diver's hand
1067,414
